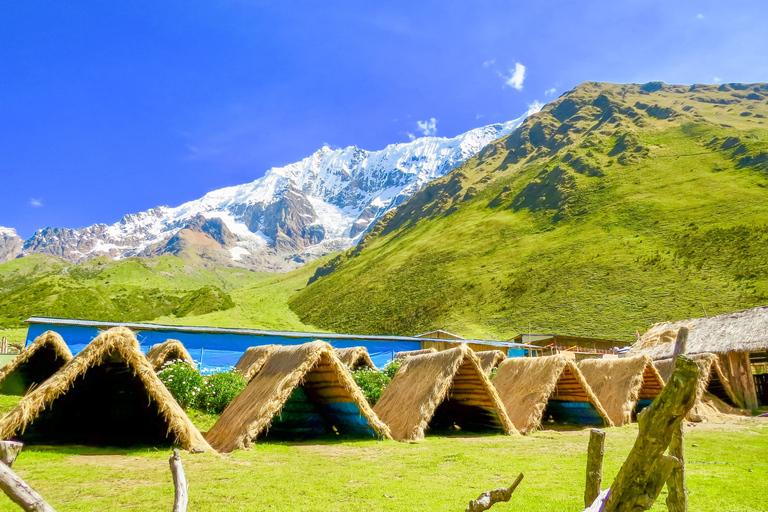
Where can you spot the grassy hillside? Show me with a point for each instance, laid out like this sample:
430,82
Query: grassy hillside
162,289
614,207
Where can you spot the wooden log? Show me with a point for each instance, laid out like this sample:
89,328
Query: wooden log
21,493
677,500
9,450
181,489
634,487
490,498
595,453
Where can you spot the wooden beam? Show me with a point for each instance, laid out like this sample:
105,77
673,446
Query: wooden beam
21,493
595,453
181,489
677,497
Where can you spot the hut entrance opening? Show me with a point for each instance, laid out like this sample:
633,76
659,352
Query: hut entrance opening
320,406
43,363
648,391
467,407
106,406
569,403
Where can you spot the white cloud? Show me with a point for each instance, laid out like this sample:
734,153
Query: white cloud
489,63
700,16
717,79
534,107
550,92
516,77
478,116
37,203
410,136
428,127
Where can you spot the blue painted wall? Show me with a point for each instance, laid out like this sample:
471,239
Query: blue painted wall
218,351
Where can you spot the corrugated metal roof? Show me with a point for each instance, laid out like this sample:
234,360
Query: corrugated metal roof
253,332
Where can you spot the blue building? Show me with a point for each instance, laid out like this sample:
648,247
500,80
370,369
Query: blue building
218,349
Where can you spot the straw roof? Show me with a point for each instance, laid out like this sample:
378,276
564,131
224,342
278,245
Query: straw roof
425,382
117,346
355,357
711,375
490,359
526,384
620,383
408,353
41,359
312,366
253,360
743,331
169,350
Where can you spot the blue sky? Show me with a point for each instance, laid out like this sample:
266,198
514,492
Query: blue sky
108,108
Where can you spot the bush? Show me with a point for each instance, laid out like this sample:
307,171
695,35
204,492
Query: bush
184,382
390,369
371,382
220,389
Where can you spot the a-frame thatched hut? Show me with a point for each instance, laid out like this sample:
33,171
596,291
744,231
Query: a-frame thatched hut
169,350
409,353
254,359
441,390
301,391
41,359
107,395
714,396
490,359
355,358
736,338
538,388
624,386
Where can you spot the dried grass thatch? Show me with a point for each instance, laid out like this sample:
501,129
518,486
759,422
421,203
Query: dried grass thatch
41,359
531,386
108,394
714,395
490,359
743,331
355,358
409,353
440,390
310,372
620,384
170,350
254,359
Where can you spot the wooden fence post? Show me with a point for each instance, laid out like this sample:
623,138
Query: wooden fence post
595,454
677,499
181,496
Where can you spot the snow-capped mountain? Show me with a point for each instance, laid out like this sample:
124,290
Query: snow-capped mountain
291,215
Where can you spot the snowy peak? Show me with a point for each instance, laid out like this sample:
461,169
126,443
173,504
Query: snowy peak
10,244
291,215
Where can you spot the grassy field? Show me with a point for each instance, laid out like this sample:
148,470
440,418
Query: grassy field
726,471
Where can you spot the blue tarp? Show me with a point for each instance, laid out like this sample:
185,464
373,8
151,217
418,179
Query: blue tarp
219,351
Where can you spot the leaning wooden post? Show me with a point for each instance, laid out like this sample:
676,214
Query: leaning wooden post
594,465
490,498
639,481
677,500
179,483
12,484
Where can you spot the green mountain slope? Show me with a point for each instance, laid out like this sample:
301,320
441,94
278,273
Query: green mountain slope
614,207
165,288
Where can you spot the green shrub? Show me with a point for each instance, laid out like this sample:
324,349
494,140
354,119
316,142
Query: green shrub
220,389
184,382
371,382
390,369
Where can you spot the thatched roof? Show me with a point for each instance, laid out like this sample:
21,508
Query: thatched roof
355,357
169,350
712,379
490,359
253,360
41,359
116,390
451,379
408,353
620,383
743,331
312,367
527,384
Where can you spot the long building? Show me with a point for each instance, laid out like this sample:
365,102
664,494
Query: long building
218,348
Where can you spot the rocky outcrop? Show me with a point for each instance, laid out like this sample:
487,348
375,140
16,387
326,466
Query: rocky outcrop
11,244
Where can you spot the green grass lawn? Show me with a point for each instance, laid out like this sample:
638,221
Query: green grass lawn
727,470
